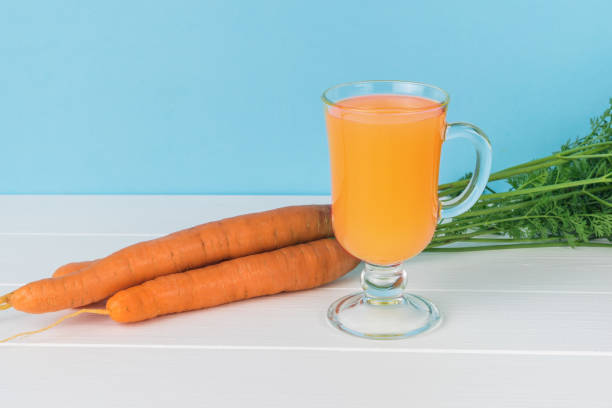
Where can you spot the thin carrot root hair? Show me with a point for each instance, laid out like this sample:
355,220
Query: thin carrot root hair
58,321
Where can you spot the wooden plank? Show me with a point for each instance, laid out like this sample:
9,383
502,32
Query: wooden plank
480,322
29,257
129,377
128,214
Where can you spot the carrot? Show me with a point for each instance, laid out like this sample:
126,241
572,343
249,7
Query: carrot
183,250
71,268
293,268
288,269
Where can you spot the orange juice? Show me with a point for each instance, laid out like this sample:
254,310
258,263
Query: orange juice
385,155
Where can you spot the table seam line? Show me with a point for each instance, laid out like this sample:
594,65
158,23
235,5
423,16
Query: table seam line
560,353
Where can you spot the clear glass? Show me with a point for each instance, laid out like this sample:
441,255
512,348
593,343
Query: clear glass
385,139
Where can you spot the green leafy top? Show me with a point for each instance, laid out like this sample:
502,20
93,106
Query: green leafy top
561,199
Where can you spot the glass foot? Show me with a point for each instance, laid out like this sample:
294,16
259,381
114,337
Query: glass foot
397,318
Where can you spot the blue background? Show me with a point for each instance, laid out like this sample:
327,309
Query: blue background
223,96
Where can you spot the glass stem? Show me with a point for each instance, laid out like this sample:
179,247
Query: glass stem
383,284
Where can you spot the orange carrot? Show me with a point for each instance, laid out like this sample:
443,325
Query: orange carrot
187,249
288,269
71,267
293,268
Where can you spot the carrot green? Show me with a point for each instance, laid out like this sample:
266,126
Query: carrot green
564,199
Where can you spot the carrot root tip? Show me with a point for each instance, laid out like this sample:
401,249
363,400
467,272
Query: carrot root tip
5,301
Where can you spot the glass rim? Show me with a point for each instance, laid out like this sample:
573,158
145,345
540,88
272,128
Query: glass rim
443,103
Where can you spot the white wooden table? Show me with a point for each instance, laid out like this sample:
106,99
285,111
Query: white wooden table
522,328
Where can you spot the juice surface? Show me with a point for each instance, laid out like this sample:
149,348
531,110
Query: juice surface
385,155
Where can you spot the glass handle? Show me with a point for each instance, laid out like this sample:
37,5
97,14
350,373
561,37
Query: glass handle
468,197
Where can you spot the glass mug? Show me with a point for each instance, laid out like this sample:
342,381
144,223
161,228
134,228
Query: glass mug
385,139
